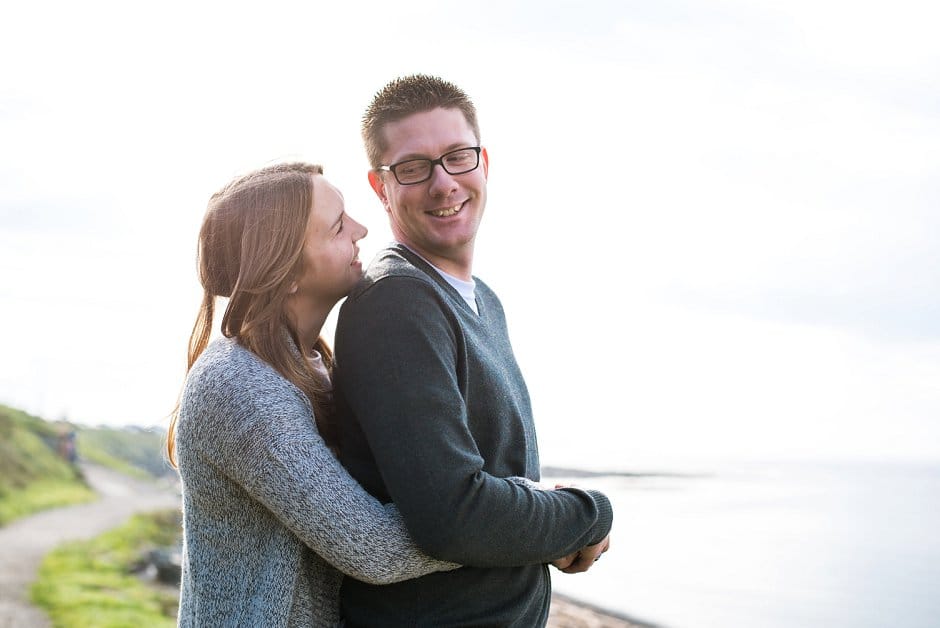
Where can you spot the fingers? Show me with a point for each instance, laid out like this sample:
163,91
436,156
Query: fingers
587,557
580,565
565,561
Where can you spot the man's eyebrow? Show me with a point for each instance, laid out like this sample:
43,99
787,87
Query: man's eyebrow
452,147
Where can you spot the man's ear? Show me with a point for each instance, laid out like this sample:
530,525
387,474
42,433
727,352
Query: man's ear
378,186
486,163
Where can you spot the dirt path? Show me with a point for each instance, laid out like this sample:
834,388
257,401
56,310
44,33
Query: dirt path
24,542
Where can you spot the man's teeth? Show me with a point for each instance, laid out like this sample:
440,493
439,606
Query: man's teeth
443,213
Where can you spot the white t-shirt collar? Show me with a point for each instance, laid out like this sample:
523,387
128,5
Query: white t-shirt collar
466,289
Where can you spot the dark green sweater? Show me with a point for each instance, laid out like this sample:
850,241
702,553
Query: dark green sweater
433,414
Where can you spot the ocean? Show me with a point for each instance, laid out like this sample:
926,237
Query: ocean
772,545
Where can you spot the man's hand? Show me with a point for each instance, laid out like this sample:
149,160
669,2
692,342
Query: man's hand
583,560
565,561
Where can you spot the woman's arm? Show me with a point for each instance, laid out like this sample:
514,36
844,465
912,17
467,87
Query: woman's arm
305,486
262,435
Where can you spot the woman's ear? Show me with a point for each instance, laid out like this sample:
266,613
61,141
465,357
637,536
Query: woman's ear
293,288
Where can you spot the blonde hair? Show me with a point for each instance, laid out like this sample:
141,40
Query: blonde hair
250,249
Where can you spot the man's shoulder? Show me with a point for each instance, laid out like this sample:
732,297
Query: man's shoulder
393,261
389,263
483,290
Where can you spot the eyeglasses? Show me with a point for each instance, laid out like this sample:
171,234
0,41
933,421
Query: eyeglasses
412,171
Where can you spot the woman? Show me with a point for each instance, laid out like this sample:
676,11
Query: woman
271,520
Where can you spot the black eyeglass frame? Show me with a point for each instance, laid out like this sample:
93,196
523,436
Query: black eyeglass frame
433,162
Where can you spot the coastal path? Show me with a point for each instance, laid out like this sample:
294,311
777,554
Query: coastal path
24,542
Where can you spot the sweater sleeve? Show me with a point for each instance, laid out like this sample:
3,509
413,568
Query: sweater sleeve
261,434
397,369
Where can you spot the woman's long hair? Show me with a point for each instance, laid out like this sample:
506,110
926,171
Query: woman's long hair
250,249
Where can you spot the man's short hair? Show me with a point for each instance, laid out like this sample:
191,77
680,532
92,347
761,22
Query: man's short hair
405,96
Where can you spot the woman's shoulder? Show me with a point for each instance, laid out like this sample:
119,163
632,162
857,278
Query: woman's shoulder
226,370
225,359
230,392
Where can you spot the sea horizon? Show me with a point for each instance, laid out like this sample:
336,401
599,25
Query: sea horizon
767,544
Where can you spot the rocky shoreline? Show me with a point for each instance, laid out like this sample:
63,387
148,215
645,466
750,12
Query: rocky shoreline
569,613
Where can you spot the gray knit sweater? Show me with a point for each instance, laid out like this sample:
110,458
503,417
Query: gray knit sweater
271,520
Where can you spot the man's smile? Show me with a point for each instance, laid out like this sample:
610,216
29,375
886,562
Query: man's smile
447,211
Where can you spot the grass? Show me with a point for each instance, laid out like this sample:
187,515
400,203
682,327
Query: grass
91,583
32,475
137,452
105,459
40,495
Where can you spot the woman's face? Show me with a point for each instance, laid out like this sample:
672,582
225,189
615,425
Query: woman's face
331,255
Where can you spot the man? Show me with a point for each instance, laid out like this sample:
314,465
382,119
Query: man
433,410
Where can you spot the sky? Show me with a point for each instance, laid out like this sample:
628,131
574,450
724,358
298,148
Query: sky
715,227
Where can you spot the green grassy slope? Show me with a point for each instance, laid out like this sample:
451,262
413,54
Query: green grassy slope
134,451
35,472
33,476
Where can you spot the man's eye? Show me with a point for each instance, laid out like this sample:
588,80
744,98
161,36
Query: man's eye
411,168
459,159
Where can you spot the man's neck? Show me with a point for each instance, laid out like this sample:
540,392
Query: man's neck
466,288
459,268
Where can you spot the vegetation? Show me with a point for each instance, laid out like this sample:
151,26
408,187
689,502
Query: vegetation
41,495
37,460
89,583
92,583
137,452
33,474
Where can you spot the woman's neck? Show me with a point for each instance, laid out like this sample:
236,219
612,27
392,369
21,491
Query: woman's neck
309,319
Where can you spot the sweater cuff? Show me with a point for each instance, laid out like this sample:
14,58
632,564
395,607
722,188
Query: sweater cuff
605,515
527,483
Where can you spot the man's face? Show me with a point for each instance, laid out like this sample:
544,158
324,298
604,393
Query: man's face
439,217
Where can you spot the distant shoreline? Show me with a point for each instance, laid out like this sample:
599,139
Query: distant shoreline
584,473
